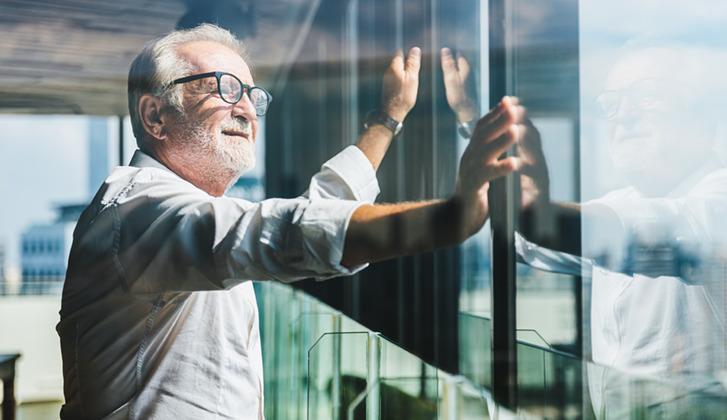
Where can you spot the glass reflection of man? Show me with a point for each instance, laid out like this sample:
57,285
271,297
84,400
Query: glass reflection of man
653,251
658,286
655,119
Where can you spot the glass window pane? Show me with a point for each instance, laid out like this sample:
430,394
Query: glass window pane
653,186
631,231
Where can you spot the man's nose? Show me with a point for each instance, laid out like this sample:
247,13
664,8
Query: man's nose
628,113
244,108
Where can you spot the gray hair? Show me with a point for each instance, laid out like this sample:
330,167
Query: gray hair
158,64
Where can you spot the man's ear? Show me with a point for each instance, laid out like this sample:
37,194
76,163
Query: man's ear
152,118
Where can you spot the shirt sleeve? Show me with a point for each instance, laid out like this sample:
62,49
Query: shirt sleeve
284,240
348,176
664,236
173,237
548,259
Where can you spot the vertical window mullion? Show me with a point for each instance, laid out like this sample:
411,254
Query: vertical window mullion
502,201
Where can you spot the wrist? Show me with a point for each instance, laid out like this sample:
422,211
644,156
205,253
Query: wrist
466,110
395,107
379,117
397,114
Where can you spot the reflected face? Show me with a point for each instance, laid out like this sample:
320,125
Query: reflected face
220,136
654,130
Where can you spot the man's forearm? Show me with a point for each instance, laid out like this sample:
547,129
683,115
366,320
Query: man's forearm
374,143
553,225
381,232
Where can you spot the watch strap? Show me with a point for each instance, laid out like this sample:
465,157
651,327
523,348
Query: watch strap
378,116
465,130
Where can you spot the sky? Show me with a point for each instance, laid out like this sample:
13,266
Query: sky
43,162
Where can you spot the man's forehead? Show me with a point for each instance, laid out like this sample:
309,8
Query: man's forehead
207,56
653,63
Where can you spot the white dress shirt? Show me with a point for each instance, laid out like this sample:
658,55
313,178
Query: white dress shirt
159,318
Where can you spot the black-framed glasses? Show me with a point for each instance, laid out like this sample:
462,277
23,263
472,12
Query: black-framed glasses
231,90
642,93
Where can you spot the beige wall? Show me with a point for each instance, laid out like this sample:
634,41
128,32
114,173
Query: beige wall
27,326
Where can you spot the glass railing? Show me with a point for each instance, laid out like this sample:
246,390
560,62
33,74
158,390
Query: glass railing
549,383
320,364
556,385
364,376
475,354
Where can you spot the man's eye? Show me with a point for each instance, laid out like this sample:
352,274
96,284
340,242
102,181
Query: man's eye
210,86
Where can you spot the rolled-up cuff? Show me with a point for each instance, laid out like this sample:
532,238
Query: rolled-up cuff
349,175
324,225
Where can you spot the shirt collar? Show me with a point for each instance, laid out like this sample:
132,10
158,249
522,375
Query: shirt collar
142,160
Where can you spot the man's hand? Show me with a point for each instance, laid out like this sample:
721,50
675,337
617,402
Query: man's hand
534,178
459,86
401,84
481,162
398,96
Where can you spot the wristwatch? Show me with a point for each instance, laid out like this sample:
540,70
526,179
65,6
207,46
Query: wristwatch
465,130
378,116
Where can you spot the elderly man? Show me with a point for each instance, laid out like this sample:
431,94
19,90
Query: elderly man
159,318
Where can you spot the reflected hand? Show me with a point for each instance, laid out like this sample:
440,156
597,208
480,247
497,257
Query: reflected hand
401,84
459,86
481,162
534,178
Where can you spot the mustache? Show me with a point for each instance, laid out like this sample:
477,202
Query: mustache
237,125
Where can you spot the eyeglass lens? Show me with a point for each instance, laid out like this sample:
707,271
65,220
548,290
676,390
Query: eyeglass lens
642,94
231,90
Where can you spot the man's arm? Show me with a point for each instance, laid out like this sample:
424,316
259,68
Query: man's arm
379,232
399,94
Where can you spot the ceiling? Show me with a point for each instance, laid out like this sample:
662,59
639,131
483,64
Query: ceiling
72,56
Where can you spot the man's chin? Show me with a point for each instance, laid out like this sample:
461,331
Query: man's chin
240,171
247,166
243,165
241,158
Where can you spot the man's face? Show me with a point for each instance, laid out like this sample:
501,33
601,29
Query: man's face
654,133
219,135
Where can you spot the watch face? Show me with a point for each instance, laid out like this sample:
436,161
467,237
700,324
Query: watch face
397,129
464,131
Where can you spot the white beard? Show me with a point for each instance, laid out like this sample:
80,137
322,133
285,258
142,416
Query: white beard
643,157
213,154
